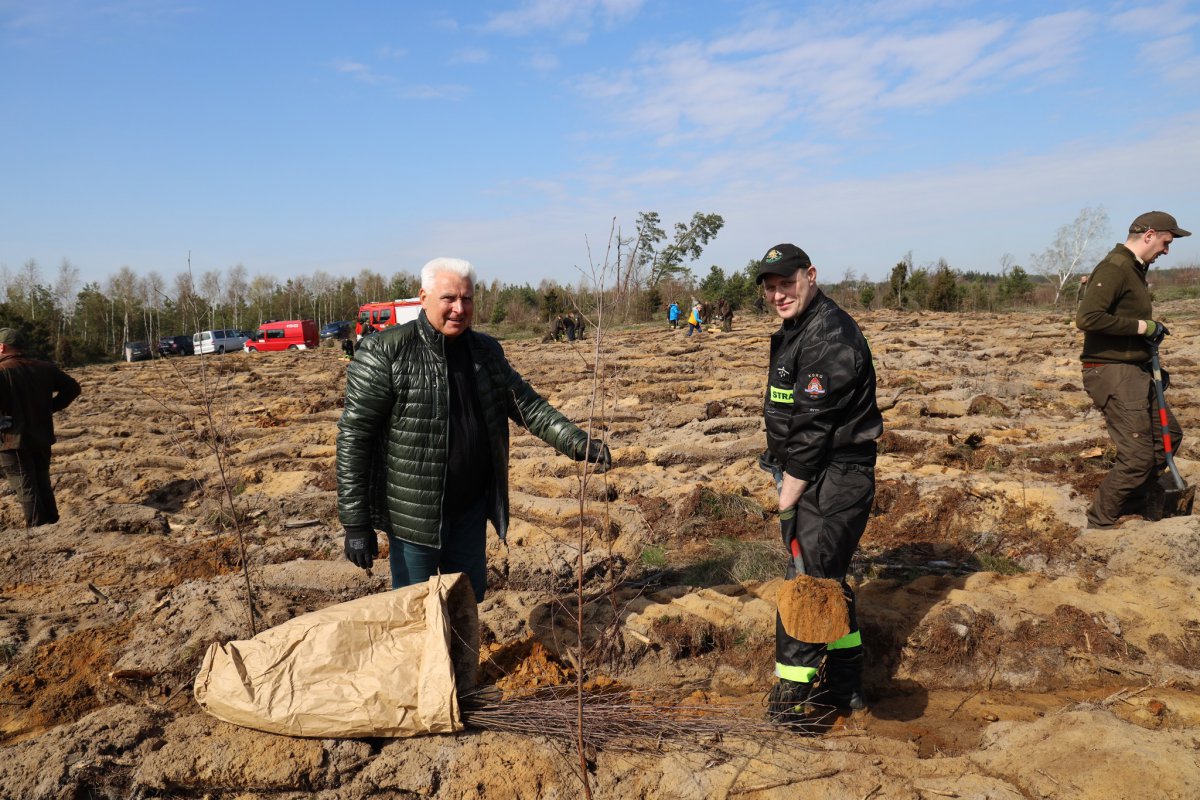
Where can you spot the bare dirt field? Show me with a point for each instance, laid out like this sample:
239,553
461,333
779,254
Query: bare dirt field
1011,653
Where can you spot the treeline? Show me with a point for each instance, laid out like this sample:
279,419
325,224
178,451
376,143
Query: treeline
939,287
75,324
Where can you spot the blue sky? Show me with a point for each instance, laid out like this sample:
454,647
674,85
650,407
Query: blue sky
292,137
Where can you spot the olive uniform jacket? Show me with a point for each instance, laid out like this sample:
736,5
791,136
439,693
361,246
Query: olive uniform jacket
1116,298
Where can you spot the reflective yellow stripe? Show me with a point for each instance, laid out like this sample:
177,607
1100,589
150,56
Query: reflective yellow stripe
782,395
846,642
797,674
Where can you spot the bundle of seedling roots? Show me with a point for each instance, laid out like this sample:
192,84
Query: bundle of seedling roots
626,721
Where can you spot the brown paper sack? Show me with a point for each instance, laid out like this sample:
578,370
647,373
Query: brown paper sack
813,609
389,664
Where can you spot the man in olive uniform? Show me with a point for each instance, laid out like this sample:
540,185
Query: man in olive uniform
1118,334
822,422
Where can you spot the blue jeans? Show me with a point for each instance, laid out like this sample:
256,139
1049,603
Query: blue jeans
464,549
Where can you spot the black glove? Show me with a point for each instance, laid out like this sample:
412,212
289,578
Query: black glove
787,527
598,454
1155,331
361,546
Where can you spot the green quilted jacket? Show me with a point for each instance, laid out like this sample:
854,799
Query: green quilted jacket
393,434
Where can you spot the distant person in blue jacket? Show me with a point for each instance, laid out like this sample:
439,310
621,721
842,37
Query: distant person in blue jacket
673,316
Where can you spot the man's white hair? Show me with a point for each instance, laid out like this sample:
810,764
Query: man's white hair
455,266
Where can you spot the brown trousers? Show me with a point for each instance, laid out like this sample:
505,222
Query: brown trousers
1124,393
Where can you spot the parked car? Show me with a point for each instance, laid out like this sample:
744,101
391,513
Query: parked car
292,334
337,330
218,341
138,351
176,346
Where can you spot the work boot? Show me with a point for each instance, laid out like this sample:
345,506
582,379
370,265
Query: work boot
842,684
785,703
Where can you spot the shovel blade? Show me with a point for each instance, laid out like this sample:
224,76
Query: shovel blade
813,609
1165,499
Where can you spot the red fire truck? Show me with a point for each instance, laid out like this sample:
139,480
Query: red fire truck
378,316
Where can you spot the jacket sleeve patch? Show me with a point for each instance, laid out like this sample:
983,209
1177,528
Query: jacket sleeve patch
814,388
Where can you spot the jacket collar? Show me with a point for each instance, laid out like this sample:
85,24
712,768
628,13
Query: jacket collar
798,323
1141,266
432,336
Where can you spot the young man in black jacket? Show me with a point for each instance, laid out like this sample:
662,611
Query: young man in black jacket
822,422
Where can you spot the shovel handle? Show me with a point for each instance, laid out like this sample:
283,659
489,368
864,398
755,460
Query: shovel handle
797,556
1156,372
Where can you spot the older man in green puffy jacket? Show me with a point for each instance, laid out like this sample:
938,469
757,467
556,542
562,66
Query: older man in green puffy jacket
422,446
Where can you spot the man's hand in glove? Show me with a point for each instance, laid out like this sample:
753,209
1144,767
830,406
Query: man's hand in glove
1155,331
361,546
598,454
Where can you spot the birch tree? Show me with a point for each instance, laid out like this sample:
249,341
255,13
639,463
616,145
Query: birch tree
1076,247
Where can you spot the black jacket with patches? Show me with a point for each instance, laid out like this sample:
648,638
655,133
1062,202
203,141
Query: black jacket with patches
820,400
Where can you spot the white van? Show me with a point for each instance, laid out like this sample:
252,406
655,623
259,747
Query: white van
219,341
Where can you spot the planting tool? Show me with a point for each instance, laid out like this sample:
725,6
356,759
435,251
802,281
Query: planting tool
1170,497
811,609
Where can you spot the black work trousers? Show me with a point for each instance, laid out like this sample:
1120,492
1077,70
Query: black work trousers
28,473
830,519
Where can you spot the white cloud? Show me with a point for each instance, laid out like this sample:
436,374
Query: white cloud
577,16
40,19
447,91
971,214
360,72
755,80
544,62
1155,19
389,53
471,55
1175,58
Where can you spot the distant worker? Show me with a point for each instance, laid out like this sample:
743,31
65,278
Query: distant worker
822,422
568,322
422,445
558,329
30,392
695,318
1119,332
579,325
673,315
725,315
347,348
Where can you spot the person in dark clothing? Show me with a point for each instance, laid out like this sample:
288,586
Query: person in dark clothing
1119,332
822,423
30,392
422,446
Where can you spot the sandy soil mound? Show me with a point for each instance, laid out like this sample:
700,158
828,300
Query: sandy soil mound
1011,654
